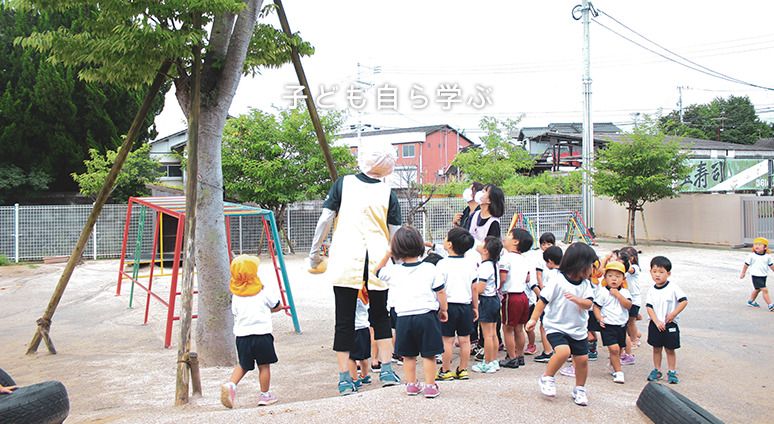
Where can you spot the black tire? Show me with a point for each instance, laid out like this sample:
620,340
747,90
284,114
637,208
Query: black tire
663,405
5,379
42,403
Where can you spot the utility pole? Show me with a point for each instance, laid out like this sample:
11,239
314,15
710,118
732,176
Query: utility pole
588,133
680,101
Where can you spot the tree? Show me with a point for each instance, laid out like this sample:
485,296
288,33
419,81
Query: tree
641,168
139,170
274,160
124,43
731,120
498,158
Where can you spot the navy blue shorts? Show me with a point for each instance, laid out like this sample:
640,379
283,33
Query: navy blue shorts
669,338
488,309
759,282
418,335
460,320
362,348
634,311
577,347
255,349
614,334
393,318
593,324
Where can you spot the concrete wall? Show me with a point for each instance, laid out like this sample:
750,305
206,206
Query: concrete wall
694,218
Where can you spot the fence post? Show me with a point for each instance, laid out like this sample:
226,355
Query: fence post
94,236
240,235
537,215
16,232
287,225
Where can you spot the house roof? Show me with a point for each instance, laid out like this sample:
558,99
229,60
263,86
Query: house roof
765,143
429,129
684,142
181,132
577,127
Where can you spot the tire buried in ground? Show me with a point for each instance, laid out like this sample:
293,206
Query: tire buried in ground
664,405
43,403
5,379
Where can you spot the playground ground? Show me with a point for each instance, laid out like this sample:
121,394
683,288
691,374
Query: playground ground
116,370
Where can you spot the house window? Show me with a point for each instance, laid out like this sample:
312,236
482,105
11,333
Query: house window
408,151
171,170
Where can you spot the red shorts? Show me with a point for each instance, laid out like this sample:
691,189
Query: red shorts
515,309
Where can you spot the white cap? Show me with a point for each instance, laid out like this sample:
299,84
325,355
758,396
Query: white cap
376,158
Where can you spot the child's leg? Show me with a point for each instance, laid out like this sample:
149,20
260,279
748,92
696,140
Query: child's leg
766,297
365,367
448,345
490,341
615,357
264,377
547,348
561,353
374,347
657,357
754,294
353,369
464,352
510,340
628,347
519,339
671,359
581,363
631,328
237,374
428,368
531,337
410,368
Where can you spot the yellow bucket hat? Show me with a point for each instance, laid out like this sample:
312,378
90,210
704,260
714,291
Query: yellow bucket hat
244,276
761,240
615,265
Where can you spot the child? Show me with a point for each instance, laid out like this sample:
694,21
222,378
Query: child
360,355
592,325
553,257
566,300
546,240
633,284
420,304
514,274
252,306
759,263
486,303
456,273
611,308
665,302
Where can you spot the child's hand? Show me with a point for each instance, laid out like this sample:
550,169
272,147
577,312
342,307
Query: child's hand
614,293
443,315
530,325
602,321
7,390
669,317
428,244
741,276
660,325
475,314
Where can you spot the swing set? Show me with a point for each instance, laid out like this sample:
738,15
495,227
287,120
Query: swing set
174,207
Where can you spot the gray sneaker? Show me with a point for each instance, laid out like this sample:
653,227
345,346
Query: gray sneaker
389,378
509,362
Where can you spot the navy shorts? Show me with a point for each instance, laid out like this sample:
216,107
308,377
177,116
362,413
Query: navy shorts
634,311
393,318
577,347
419,335
593,324
362,348
759,282
255,348
614,334
488,309
460,320
669,338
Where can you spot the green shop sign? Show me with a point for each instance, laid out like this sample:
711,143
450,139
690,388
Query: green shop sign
711,175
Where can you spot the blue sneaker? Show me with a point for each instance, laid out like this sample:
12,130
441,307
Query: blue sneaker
593,355
364,380
672,377
655,374
752,304
347,388
389,378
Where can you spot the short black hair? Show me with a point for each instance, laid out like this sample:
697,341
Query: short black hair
553,254
547,238
577,258
407,243
460,239
623,256
476,187
493,246
661,262
524,237
496,200
634,257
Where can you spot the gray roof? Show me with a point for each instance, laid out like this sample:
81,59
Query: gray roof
765,143
577,127
684,142
428,129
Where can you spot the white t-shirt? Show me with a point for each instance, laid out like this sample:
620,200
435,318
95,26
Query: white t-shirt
457,273
252,314
633,284
489,274
412,287
610,308
517,267
562,315
361,315
536,263
664,299
758,264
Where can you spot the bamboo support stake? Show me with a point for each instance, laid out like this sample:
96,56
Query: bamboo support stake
44,323
196,378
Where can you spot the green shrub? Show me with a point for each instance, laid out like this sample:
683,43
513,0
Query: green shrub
4,260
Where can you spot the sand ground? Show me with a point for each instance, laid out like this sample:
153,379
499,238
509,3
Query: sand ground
116,369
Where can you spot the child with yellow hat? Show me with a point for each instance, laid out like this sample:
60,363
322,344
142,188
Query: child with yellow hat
759,263
252,306
611,308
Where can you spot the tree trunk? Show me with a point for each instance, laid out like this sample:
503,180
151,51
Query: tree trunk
632,215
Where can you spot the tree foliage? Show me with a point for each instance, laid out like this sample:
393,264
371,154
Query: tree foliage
734,119
139,170
497,159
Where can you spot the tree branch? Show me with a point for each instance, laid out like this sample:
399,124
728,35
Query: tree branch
183,88
222,28
226,83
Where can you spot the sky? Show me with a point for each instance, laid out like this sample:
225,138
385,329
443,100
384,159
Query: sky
512,59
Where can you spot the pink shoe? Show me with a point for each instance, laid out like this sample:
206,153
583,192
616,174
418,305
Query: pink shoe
413,389
228,395
431,391
530,350
267,399
627,359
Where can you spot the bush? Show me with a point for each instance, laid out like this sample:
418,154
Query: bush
4,260
519,185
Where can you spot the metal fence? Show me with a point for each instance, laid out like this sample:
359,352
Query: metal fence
757,218
29,233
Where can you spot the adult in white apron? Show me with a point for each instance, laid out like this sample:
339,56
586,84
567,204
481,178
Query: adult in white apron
367,213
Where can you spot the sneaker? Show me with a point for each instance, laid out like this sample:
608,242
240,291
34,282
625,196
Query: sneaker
579,396
482,367
618,377
771,307
389,378
438,359
568,371
654,375
397,359
547,386
228,395
752,304
521,361
445,375
365,380
501,348
267,399
462,374
593,355
509,362
376,367
627,359
413,389
530,350
672,377
347,388
494,366
358,384
479,356
544,357
431,391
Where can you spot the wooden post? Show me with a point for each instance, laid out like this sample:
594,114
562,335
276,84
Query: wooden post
189,263
196,379
44,323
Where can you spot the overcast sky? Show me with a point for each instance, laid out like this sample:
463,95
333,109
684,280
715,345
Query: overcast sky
526,54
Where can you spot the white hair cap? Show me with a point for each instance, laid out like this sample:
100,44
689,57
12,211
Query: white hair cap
376,158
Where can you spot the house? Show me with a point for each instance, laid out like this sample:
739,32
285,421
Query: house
424,153
532,140
167,150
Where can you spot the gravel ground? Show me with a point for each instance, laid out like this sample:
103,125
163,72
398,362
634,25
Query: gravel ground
116,370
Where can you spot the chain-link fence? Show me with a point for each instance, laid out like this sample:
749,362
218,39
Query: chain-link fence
29,233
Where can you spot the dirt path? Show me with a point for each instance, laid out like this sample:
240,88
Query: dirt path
116,370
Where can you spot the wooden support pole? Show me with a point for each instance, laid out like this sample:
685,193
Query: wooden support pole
196,378
44,323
